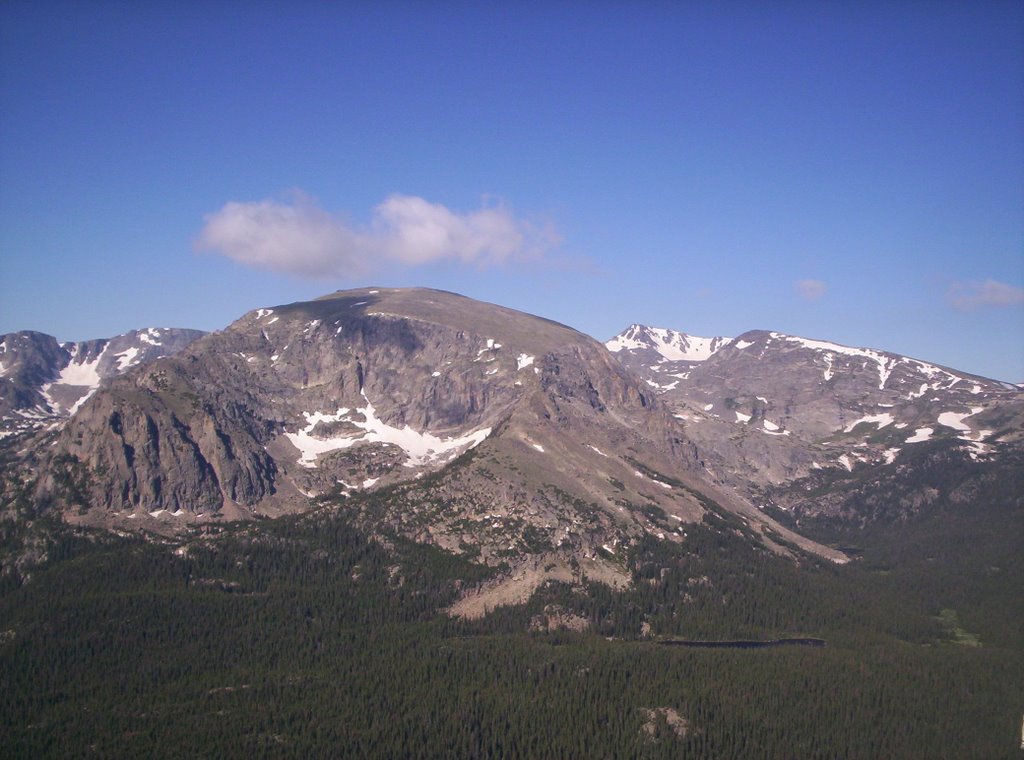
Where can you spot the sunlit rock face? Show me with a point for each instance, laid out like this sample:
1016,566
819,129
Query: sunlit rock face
494,432
770,411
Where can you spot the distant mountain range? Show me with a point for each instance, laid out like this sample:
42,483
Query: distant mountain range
495,434
43,381
772,411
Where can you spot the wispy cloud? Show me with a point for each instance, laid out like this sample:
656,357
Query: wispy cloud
810,290
301,238
968,296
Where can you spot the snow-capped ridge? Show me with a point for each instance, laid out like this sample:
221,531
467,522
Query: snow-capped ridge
671,345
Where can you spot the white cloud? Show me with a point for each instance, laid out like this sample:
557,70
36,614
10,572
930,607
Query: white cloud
968,296
810,290
301,238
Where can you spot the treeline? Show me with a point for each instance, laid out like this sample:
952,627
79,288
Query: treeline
302,637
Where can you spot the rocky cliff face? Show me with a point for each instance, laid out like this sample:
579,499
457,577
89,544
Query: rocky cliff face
501,435
770,410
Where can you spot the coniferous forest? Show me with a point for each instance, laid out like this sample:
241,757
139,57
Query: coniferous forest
304,637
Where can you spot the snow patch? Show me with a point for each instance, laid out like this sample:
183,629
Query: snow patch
828,373
598,451
844,460
261,313
881,420
670,344
523,361
885,363
921,434
150,336
421,448
976,449
741,417
955,420
126,358
741,344
769,426
538,447
81,374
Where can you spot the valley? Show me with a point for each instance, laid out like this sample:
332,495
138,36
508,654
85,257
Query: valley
402,522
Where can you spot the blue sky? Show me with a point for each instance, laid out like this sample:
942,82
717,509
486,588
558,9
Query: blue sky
844,171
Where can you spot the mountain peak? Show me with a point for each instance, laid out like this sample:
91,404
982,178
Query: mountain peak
43,382
670,345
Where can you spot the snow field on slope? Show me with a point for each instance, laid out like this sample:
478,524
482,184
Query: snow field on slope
421,448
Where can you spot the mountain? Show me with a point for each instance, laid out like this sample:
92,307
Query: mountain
43,381
777,415
494,434
510,545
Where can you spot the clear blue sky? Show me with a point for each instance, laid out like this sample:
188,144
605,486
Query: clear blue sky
851,171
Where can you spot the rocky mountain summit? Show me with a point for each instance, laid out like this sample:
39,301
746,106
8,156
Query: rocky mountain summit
501,436
43,381
770,410
491,433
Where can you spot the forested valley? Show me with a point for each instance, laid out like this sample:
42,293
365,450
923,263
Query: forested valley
306,637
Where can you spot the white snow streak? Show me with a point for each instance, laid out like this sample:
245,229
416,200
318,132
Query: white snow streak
670,344
422,448
126,358
150,336
881,420
921,434
80,374
828,373
885,363
955,420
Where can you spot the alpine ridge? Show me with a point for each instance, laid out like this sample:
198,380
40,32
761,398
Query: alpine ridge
43,381
779,415
494,433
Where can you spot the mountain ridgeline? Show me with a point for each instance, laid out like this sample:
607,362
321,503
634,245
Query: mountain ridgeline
811,427
43,381
404,523
503,436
